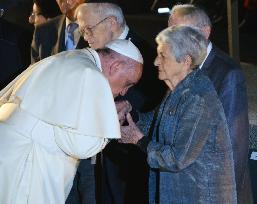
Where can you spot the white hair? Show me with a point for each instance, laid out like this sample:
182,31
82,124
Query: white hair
184,41
104,10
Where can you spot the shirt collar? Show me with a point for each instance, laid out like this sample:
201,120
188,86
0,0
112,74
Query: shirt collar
93,55
124,33
68,21
209,48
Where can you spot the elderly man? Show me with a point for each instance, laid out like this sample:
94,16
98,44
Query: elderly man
229,82
58,34
58,111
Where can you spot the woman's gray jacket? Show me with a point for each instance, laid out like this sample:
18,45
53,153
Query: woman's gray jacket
189,152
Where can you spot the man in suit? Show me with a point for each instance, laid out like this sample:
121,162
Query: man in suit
229,82
53,36
124,168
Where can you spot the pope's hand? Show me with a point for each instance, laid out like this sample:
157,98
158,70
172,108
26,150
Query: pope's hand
130,133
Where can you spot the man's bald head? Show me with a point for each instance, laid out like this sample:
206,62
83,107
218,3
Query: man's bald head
100,23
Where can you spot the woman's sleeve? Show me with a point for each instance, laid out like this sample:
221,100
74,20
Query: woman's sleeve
192,131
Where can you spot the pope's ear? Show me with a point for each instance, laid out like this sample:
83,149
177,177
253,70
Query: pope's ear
115,67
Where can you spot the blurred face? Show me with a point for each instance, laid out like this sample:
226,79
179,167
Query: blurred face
68,7
124,78
36,18
169,70
95,30
177,19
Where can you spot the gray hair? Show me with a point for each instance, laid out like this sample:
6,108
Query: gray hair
184,41
193,14
105,10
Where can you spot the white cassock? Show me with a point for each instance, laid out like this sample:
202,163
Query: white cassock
58,111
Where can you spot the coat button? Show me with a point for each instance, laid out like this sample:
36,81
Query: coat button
171,112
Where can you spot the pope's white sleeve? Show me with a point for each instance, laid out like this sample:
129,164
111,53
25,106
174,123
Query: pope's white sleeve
78,145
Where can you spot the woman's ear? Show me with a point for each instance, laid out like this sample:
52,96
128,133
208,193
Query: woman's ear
188,60
188,63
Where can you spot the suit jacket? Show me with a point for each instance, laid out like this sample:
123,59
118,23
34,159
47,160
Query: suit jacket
230,84
49,39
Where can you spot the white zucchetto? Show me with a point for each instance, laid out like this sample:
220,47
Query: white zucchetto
126,48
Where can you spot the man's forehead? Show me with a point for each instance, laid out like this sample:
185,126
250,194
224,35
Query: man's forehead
86,16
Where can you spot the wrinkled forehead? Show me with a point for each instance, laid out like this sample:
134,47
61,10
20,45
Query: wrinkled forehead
163,46
87,17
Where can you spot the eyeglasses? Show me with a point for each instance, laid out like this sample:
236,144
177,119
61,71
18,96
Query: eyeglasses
88,30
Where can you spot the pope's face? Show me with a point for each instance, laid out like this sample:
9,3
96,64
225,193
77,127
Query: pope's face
121,78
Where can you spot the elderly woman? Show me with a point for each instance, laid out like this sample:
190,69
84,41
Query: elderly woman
188,145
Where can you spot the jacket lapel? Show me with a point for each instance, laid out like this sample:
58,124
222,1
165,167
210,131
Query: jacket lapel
60,45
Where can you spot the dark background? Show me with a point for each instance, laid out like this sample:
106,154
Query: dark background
148,23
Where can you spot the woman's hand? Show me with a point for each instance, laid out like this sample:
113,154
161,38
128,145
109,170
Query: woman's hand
130,133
